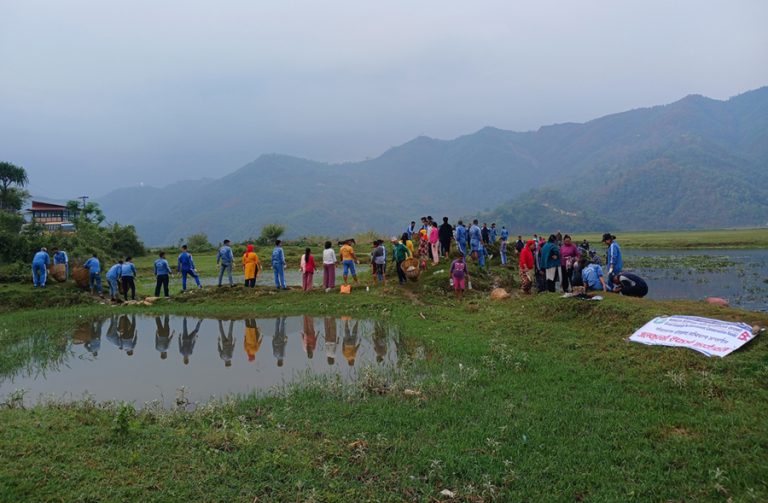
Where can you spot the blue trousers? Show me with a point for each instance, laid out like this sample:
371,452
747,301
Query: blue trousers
228,268
462,247
503,253
39,274
113,289
184,278
94,280
279,276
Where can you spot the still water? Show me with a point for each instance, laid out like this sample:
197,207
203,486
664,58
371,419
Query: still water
143,358
741,276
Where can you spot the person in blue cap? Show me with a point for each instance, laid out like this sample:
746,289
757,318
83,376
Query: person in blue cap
278,265
94,274
40,264
163,274
113,277
224,260
186,266
60,257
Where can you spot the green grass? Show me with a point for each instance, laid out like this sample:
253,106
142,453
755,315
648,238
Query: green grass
530,399
683,240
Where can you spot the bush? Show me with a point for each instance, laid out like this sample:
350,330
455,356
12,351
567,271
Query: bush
199,242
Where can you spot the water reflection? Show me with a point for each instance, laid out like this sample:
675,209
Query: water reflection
210,360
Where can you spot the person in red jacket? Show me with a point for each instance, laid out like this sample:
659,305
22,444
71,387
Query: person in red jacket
526,267
307,270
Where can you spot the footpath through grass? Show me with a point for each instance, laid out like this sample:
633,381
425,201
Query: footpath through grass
528,399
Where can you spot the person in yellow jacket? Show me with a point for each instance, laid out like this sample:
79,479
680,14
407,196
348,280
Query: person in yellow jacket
252,341
251,267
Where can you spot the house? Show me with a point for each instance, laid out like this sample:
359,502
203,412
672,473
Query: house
54,217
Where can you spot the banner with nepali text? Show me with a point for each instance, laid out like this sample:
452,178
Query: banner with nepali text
708,336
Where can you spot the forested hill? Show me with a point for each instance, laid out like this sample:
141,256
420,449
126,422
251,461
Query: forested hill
695,163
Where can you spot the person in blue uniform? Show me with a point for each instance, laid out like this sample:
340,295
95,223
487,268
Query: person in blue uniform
504,241
127,275
278,265
162,274
94,274
60,257
475,238
186,266
113,277
461,238
492,232
40,264
224,260
613,261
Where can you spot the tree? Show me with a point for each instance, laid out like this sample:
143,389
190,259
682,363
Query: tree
90,212
12,180
270,233
199,242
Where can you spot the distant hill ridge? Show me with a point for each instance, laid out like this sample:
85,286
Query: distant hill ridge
695,163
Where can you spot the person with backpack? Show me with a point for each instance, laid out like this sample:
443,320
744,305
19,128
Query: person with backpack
460,276
307,266
400,253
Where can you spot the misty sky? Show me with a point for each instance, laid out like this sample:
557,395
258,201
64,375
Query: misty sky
96,95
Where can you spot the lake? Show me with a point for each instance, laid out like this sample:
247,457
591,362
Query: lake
741,276
144,358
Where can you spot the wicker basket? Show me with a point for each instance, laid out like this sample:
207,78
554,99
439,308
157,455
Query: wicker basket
81,275
410,267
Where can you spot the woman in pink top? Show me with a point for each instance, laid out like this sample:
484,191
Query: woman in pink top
434,242
307,270
569,256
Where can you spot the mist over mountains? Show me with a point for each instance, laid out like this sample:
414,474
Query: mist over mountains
695,163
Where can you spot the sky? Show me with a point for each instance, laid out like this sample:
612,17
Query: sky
99,95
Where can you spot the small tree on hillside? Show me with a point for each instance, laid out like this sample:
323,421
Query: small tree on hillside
89,213
270,233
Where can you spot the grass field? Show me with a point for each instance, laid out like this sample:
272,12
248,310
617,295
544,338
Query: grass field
529,399
687,240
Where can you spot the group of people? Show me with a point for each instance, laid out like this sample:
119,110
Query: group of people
122,332
543,262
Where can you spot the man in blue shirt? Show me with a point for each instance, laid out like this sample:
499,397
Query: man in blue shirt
504,239
475,238
94,273
163,274
186,266
40,264
613,259
224,259
127,274
60,257
410,230
592,275
278,265
461,238
113,276
492,233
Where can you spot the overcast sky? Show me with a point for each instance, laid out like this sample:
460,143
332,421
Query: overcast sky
96,95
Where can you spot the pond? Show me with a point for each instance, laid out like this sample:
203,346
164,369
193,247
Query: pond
741,276
140,359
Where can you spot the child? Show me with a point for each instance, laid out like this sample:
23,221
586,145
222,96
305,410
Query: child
307,270
459,275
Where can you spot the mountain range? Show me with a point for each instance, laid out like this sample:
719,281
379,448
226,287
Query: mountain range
694,163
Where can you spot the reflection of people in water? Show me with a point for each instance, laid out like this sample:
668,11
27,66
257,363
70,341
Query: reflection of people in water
188,339
308,336
226,343
331,339
253,338
163,335
127,330
90,336
279,340
379,341
112,335
351,342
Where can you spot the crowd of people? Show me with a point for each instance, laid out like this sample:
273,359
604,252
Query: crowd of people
544,263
